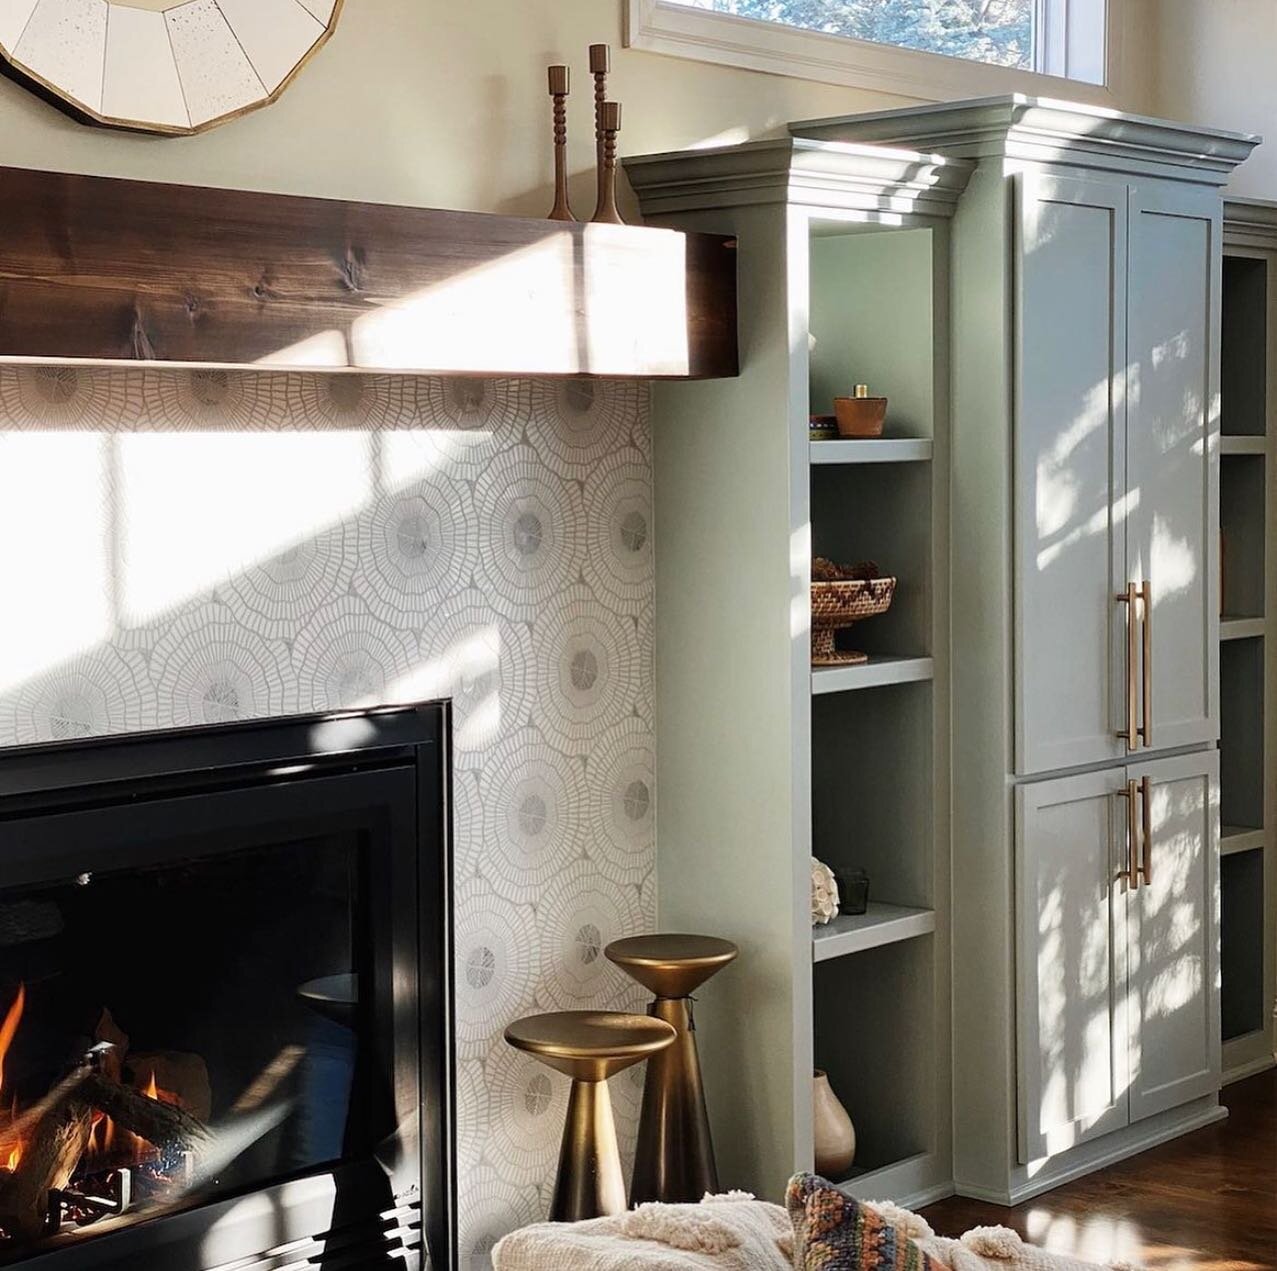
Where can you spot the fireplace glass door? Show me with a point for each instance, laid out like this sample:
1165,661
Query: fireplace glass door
199,1000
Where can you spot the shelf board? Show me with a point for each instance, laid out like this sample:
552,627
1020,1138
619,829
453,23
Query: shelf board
1236,445
879,670
1241,628
882,924
872,450
1240,838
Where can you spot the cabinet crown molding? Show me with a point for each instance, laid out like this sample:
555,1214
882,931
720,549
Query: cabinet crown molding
1043,130
1250,223
800,171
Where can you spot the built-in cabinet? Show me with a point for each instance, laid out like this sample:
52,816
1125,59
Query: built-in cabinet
1029,759
1087,255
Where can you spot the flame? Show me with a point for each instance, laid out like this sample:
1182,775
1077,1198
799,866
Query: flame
14,1157
10,1027
152,1091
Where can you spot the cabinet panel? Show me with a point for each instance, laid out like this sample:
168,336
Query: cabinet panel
1173,947
1172,451
1071,971
1070,462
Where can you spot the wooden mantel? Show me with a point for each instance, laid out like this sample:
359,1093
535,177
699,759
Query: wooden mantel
99,270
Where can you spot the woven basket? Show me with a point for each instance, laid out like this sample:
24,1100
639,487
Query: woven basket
838,604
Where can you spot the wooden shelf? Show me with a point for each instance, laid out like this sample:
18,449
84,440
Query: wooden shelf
1240,838
882,924
1241,628
872,450
101,270
879,670
1233,445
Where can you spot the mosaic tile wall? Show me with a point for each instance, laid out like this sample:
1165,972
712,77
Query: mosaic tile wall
186,548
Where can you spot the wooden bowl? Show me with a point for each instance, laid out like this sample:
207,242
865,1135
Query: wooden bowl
860,416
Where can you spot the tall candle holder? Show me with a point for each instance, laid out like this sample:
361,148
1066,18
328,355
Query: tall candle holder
600,65
606,209
559,89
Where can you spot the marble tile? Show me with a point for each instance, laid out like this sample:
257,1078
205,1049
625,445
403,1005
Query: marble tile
64,43
216,74
141,81
322,9
275,34
14,16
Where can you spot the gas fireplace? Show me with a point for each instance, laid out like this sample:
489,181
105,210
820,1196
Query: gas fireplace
224,1035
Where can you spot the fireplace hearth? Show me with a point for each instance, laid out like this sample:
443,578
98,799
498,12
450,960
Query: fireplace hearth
224,1024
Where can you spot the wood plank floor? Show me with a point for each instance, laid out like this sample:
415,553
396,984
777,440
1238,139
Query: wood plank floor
1207,1201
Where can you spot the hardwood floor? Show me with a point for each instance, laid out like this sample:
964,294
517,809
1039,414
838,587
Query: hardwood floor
1207,1201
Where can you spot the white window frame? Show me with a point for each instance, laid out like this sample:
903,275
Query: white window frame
1069,32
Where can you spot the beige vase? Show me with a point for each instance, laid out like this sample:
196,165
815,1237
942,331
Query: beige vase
834,1134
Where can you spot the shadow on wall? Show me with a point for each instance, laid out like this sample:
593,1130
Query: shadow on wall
188,548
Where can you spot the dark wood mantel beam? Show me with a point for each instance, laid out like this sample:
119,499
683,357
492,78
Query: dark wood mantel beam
99,270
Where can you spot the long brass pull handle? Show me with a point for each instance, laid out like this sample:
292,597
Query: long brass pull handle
1146,625
1131,734
1131,874
1146,803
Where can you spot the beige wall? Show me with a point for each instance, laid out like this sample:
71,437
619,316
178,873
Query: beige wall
443,104
1214,63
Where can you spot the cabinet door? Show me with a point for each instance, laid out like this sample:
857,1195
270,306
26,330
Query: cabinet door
1172,460
1071,963
1173,944
1070,461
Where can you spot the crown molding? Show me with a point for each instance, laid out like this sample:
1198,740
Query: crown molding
1250,223
796,171
1042,130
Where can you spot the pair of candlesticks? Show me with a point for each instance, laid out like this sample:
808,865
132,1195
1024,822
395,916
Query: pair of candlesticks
607,123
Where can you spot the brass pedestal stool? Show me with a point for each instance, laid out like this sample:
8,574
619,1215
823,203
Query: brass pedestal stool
590,1047
675,1157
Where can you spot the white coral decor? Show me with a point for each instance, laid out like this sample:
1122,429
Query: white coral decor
824,894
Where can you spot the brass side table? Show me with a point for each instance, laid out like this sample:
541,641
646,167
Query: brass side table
675,1157
590,1047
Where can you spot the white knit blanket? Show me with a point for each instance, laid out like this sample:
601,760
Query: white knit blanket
738,1233
724,1233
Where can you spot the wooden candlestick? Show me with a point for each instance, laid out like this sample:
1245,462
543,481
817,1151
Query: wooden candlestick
559,89
610,123
600,65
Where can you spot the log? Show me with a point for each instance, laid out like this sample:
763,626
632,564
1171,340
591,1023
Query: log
163,1124
50,1157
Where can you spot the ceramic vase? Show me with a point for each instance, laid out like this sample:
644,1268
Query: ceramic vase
834,1134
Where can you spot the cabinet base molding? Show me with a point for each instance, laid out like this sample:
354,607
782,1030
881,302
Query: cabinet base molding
1250,1068
1090,1157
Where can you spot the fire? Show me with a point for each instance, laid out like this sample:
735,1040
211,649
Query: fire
14,1157
152,1091
10,1027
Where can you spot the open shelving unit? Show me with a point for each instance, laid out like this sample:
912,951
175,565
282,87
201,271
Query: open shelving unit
879,756
848,763
1248,603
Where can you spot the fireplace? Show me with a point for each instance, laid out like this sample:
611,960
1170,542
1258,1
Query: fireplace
224,1015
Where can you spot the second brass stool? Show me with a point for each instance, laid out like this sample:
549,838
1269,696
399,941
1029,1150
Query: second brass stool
674,1161
590,1047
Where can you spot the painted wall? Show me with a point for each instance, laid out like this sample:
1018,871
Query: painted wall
182,549
1214,65
443,105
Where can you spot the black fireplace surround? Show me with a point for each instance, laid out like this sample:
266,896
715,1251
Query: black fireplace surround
225,1011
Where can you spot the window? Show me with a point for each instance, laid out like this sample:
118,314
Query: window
930,49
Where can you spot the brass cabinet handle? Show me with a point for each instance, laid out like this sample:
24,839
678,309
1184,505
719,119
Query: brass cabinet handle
1131,733
1146,625
1146,803
1131,874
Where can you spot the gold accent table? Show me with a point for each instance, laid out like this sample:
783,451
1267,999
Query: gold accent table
675,1157
589,1047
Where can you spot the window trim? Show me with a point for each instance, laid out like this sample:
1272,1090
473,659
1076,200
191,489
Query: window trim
660,26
